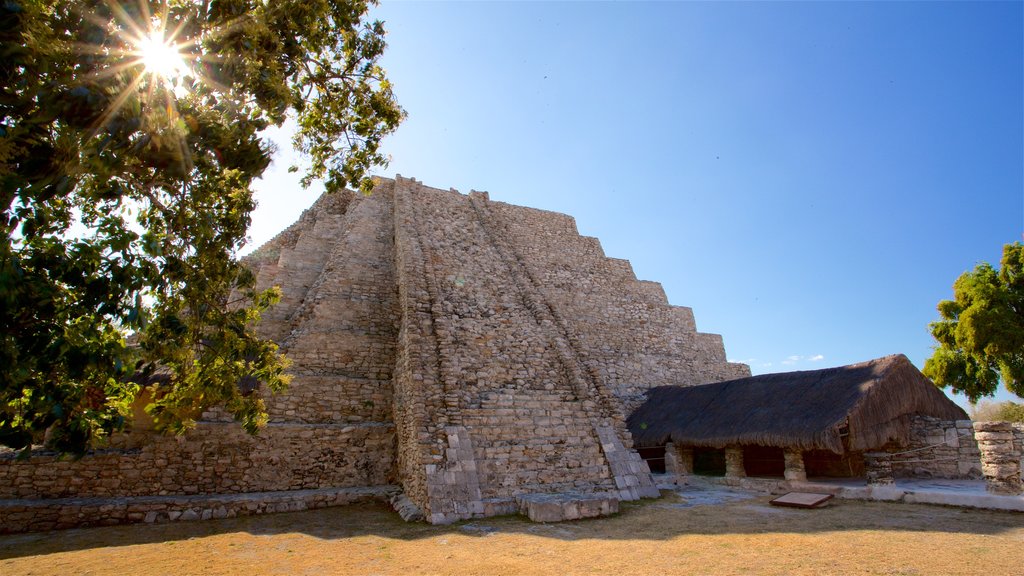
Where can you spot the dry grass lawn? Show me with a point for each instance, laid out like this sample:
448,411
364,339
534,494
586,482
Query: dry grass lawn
667,536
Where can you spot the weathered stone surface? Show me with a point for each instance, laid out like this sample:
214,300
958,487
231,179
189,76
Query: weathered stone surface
278,459
59,513
878,468
1000,446
566,506
939,449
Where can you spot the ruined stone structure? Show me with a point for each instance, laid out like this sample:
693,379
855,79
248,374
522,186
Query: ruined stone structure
1000,444
481,356
939,449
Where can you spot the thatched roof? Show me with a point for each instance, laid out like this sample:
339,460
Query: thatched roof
869,403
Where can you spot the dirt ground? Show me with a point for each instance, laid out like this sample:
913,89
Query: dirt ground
717,533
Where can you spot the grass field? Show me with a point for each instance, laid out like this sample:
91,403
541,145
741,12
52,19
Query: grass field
727,534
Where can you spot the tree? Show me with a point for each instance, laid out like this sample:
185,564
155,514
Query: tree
998,411
981,333
130,135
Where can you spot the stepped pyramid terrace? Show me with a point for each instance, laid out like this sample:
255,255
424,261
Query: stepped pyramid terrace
500,348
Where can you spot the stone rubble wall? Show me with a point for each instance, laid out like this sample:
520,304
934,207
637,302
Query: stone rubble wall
58,514
212,459
270,252
939,449
1001,456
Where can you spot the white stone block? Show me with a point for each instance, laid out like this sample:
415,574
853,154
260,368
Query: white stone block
952,438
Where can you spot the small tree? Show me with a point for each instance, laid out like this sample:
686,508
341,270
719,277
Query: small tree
981,334
130,135
998,411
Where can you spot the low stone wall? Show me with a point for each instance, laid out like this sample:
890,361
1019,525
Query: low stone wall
56,514
215,458
939,449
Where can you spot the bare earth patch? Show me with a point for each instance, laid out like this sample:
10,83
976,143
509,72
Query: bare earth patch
724,534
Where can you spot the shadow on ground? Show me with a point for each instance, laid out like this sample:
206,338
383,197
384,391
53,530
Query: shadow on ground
715,512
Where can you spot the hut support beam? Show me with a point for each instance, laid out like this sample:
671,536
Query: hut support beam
795,470
678,462
734,462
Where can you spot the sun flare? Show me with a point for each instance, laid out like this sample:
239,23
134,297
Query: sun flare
161,57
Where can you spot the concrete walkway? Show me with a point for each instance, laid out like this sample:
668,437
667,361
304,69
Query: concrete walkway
964,493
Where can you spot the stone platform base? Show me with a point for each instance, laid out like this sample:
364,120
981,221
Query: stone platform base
60,513
566,506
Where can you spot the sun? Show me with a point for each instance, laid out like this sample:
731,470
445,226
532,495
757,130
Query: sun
160,56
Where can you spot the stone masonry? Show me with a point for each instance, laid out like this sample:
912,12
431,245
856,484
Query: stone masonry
939,449
999,443
479,355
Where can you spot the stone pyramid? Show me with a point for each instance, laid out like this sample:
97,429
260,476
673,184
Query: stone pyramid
481,355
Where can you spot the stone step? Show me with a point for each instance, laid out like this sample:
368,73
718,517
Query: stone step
562,506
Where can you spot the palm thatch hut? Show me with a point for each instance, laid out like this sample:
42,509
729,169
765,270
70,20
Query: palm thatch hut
829,417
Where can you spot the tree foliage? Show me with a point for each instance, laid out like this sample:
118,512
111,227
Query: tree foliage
981,333
998,411
126,193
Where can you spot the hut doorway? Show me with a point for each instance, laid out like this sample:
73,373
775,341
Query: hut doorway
764,461
709,461
826,464
655,458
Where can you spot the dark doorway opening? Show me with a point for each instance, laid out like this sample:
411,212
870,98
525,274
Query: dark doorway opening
709,461
764,461
823,463
655,458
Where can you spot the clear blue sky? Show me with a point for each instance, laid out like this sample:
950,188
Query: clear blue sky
809,177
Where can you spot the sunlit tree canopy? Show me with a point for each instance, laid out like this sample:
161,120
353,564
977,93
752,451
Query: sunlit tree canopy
130,135
981,334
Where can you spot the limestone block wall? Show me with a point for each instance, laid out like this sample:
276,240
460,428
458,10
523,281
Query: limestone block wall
212,459
57,514
940,449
